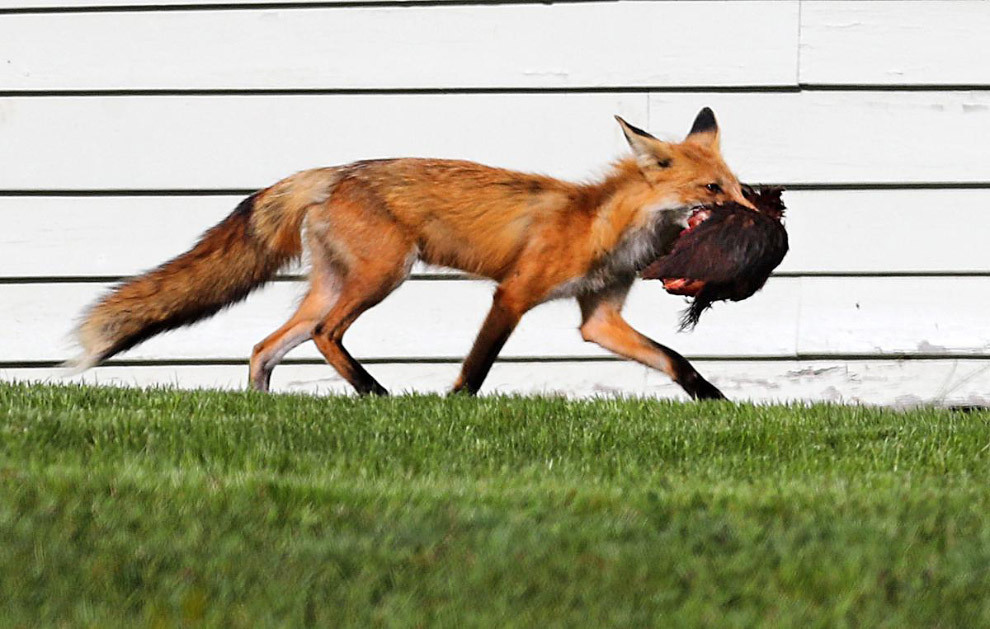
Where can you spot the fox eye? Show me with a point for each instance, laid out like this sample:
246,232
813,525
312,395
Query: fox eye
714,188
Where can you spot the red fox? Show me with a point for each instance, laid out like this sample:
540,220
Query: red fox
364,225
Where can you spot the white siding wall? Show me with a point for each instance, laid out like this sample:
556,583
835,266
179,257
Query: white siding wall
127,127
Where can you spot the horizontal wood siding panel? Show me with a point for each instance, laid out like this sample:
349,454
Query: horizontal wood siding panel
803,317
422,319
900,314
831,137
243,142
894,382
876,231
941,42
252,141
887,231
596,44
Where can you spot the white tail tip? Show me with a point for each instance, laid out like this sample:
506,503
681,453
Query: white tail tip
77,365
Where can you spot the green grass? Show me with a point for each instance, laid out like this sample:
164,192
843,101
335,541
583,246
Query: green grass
126,507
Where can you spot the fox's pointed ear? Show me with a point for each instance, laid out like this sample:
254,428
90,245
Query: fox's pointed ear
704,131
650,152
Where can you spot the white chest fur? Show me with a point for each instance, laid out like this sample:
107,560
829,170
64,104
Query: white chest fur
637,248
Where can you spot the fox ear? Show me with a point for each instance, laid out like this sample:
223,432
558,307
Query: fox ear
650,152
704,131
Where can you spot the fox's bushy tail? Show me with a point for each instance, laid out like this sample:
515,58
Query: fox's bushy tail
242,252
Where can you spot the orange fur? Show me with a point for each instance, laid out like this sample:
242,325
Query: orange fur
367,222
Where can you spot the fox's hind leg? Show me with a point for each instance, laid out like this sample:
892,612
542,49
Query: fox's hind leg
324,290
371,256
298,329
361,291
334,302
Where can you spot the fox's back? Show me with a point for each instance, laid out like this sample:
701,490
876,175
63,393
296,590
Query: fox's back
461,214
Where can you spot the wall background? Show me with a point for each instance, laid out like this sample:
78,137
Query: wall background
128,127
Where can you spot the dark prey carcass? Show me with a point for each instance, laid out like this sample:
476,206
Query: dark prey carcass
727,252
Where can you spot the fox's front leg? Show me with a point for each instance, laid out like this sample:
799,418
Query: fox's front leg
602,323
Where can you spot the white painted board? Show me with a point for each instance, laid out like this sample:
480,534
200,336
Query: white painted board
874,316
901,383
857,231
247,142
845,136
424,318
810,316
888,231
565,45
939,42
252,141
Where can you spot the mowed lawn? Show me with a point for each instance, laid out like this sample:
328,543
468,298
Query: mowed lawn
129,507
